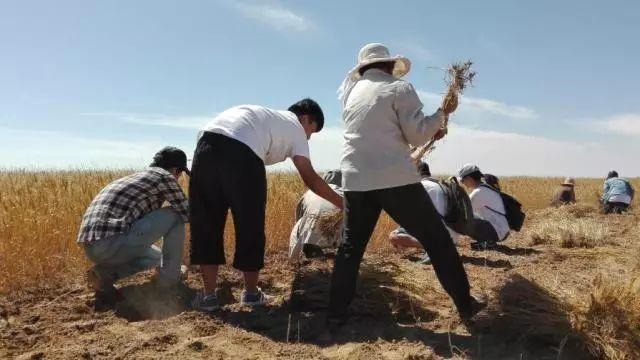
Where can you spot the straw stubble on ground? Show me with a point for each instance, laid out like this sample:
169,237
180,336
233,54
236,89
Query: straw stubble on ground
546,299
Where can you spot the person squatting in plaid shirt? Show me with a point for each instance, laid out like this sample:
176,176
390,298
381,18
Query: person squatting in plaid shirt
127,217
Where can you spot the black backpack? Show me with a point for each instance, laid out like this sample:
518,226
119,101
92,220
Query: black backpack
459,213
514,214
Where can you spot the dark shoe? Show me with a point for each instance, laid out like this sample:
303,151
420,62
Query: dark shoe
471,316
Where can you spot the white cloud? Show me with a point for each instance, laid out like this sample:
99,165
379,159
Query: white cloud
479,105
501,153
61,150
275,16
624,124
183,122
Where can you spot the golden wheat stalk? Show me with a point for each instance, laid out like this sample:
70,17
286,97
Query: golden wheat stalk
459,76
330,223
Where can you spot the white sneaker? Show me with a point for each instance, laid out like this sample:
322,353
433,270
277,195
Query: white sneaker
257,299
205,303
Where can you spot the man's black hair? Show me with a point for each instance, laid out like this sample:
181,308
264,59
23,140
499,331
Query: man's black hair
423,169
476,175
311,108
612,174
492,180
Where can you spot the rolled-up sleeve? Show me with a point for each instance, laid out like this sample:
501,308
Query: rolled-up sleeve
173,194
416,127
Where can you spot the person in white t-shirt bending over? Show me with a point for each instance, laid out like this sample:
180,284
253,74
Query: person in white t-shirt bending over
228,172
400,238
490,225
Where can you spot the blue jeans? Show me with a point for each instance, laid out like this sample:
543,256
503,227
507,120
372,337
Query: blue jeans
125,254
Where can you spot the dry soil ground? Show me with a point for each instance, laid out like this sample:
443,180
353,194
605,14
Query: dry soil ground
400,311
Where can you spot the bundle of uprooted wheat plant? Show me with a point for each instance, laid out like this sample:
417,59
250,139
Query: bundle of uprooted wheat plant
330,223
458,77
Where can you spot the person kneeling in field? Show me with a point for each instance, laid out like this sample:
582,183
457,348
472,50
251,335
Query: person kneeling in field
229,172
491,224
617,195
307,237
126,218
400,238
495,213
565,195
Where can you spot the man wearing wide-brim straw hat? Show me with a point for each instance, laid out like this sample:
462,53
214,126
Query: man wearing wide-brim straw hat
383,118
565,194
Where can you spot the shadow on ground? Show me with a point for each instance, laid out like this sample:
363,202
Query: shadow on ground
481,261
524,320
529,322
148,302
380,310
518,251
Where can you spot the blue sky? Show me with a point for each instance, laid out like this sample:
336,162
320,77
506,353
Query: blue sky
107,83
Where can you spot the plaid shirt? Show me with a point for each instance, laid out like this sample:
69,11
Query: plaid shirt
128,199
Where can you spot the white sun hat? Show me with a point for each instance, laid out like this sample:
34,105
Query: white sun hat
371,54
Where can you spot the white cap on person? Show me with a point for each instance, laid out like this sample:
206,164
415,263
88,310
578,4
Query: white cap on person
467,170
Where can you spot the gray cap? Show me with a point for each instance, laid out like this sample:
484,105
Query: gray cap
467,170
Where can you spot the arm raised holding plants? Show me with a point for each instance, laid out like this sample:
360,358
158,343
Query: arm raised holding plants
459,76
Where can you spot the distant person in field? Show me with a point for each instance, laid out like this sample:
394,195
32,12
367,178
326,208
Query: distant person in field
127,217
492,181
491,225
617,194
306,237
400,238
228,172
565,194
383,117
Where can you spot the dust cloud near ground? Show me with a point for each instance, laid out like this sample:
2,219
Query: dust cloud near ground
535,290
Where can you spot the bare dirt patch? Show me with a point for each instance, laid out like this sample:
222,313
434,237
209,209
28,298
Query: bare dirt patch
400,310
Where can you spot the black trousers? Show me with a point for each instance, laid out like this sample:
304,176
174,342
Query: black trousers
227,174
615,207
411,208
483,232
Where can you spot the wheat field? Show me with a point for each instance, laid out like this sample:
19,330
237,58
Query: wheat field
40,213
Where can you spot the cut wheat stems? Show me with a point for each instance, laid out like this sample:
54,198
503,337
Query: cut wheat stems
329,223
458,77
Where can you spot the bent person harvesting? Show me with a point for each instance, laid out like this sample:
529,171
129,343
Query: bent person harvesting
126,218
229,173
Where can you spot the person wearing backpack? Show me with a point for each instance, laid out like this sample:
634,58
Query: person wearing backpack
617,195
400,238
491,224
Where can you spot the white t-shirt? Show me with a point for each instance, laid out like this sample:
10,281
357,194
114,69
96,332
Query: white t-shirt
273,135
306,230
439,200
486,205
